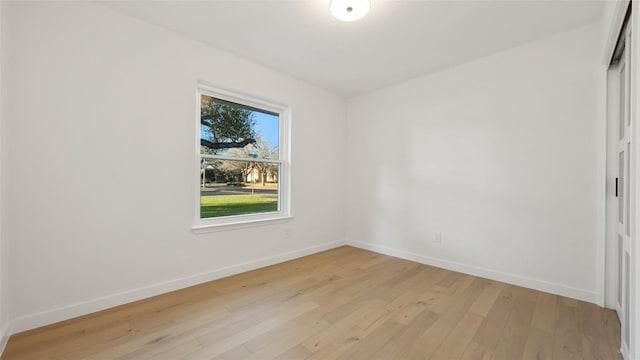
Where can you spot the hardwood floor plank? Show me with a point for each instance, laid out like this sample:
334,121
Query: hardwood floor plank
539,345
219,346
275,343
485,301
340,345
399,344
454,344
544,317
174,352
317,342
567,340
486,338
436,334
296,352
368,347
514,335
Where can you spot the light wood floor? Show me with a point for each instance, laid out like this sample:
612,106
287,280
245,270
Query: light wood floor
345,303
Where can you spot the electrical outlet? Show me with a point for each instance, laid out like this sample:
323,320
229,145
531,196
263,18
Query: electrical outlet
437,238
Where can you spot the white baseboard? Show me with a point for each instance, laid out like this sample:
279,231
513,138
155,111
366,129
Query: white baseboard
541,285
82,308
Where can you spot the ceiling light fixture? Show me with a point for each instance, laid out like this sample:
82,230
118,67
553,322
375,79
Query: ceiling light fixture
349,10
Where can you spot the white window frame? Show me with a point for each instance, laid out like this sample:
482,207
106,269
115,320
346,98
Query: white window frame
284,160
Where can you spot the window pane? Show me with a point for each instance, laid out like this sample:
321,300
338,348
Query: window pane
232,129
238,187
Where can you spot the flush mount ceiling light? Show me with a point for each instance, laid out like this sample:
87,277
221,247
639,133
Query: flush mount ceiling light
349,10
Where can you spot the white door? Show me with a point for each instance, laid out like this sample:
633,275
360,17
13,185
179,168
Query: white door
623,221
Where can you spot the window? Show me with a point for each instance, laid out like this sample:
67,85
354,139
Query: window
242,160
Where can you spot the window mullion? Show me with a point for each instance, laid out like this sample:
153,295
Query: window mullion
233,158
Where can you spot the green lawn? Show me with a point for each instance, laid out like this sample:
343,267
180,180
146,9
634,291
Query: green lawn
224,205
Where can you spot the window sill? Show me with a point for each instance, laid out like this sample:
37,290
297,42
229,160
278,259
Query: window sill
236,225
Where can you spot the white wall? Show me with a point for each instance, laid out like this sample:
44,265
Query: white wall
99,103
501,155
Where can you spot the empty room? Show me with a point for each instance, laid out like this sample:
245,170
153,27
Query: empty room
319,179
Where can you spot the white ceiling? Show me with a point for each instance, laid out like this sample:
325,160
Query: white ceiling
396,41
